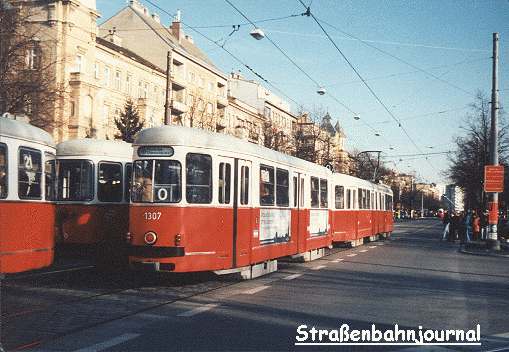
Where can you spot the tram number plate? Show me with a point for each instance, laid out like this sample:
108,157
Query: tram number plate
153,215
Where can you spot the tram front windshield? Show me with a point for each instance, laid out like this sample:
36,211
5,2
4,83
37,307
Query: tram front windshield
75,180
157,181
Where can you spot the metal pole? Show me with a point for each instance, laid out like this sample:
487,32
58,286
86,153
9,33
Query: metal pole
167,102
422,204
492,241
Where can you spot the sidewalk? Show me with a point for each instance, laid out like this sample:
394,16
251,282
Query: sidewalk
479,248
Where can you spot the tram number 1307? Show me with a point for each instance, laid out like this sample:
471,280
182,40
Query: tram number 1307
156,215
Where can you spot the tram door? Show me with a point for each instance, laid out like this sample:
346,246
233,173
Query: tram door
299,223
243,213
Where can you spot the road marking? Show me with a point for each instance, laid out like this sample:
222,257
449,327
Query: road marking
108,343
337,260
505,334
255,290
291,277
363,251
371,247
351,255
318,267
198,310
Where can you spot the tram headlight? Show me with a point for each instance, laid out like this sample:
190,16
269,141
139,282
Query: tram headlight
150,238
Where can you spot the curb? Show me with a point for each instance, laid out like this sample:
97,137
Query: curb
484,253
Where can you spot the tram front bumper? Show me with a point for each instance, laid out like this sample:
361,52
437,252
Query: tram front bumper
155,252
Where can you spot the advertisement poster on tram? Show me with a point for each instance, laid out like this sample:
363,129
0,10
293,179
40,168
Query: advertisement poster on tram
274,225
318,222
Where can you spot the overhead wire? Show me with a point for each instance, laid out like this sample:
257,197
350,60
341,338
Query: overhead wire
311,14
377,132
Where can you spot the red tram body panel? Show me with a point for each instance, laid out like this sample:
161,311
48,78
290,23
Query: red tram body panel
207,202
27,213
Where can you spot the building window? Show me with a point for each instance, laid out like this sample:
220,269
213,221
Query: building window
210,108
140,89
266,112
128,81
106,80
97,68
211,86
117,80
145,90
79,65
32,59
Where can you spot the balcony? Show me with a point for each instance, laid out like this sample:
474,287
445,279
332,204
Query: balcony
178,81
76,78
178,107
222,102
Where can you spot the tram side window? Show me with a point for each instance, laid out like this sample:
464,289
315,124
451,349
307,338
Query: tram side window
282,188
348,198
244,185
360,198
315,192
368,200
128,174
3,171
295,191
142,181
339,197
224,183
301,193
266,185
75,180
49,176
109,182
324,199
167,182
354,198
29,173
198,178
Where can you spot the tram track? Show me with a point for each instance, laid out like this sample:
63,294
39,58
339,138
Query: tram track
193,286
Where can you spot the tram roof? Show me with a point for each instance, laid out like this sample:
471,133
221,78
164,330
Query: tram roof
94,147
179,136
22,130
358,182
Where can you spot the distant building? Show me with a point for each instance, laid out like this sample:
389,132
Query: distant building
454,197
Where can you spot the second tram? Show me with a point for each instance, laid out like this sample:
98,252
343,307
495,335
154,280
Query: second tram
93,187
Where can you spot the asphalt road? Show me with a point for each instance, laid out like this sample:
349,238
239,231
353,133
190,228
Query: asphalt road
412,280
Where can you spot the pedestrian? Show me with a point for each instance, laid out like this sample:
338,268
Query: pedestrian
453,228
468,225
476,227
484,225
447,223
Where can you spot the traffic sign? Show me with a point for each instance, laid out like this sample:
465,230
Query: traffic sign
494,178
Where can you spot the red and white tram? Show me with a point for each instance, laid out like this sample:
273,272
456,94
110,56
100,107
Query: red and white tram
27,213
93,188
209,202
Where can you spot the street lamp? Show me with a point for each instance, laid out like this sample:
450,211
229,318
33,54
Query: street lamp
257,33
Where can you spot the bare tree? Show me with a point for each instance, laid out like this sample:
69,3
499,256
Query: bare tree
200,113
467,162
27,71
306,136
275,138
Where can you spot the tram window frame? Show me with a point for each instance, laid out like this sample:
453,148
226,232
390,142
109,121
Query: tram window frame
368,199
40,172
302,193
49,182
174,189
91,184
354,195
348,198
244,185
267,188
113,197
314,191
198,197
224,183
360,198
339,197
4,172
295,191
282,188
128,176
324,193
143,185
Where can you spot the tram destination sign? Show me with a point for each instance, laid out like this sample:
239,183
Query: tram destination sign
494,178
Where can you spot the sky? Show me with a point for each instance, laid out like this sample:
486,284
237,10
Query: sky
424,61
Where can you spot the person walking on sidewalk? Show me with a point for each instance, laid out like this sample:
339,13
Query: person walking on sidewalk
447,223
476,226
468,226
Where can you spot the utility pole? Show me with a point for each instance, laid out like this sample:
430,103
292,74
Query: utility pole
167,103
492,241
422,204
